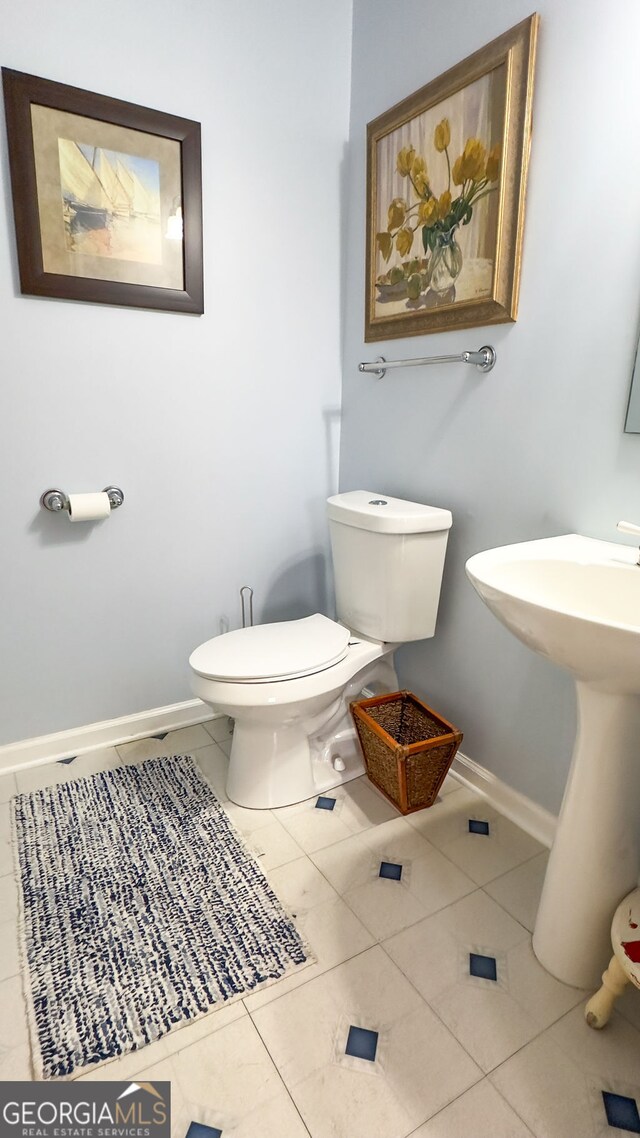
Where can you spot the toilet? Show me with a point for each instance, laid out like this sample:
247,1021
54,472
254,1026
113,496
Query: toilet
288,685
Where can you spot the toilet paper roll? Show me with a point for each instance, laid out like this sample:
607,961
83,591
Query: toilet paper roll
88,507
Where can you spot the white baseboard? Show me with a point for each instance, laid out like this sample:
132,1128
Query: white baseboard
109,733
523,811
526,813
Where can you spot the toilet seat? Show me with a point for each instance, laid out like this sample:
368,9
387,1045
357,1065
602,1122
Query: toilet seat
263,653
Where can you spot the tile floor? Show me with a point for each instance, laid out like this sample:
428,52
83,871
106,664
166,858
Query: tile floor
426,1013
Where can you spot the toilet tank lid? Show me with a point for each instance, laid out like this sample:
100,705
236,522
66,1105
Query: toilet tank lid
285,650
366,509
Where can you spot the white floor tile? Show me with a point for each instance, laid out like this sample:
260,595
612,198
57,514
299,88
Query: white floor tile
133,1062
229,1081
536,990
446,819
359,806
5,821
306,1033
181,742
272,845
52,774
207,1025
486,1016
489,1024
301,886
428,880
449,785
486,858
629,1005
214,765
246,821
434,953
334,934
15,1064
518,891
158,1069
140,750
356,860
364,806
125,1066
225,745
479,1113
312,828
13,1017
219,728
483,857
9,960
547,1088
8,787
6,857
278,1117
332,931
8,899
613,1052
6,854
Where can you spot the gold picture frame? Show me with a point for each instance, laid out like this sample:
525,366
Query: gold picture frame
446,183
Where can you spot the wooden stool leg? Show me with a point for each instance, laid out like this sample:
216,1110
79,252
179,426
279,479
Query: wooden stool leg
600,1006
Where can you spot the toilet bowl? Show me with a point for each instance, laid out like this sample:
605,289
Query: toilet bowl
288,685
293,735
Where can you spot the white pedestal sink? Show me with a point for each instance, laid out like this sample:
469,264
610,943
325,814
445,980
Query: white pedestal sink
576,601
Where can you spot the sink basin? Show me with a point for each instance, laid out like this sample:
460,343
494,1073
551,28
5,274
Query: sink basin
576,601
573,599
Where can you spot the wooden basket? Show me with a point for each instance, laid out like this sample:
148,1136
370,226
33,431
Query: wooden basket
407,747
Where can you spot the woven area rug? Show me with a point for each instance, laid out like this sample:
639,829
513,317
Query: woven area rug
141,909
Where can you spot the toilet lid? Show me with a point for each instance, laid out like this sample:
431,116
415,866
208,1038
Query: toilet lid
282,651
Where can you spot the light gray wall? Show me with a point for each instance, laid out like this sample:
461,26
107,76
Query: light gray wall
537,447
222,430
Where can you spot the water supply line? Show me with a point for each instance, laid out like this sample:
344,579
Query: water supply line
246,606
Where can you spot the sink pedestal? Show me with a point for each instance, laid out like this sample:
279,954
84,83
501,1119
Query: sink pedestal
595,860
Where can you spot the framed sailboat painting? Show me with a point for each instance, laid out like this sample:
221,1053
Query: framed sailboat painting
107,197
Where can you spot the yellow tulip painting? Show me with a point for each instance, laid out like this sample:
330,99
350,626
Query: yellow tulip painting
445,193
443,211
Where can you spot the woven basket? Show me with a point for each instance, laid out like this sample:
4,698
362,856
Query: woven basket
407,748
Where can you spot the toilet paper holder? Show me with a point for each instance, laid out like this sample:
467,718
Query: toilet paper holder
57,500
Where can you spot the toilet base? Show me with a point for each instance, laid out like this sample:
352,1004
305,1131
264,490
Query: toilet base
301,774
279,764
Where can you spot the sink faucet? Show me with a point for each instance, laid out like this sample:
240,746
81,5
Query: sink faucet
629,527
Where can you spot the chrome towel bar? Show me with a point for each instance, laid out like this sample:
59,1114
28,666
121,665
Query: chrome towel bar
484,360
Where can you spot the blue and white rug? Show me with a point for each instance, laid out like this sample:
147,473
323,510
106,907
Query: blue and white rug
141,909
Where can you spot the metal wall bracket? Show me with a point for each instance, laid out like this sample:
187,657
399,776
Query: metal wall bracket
57,500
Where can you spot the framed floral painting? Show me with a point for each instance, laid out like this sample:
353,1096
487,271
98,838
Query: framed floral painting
446,182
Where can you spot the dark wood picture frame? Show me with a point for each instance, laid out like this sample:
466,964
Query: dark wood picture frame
23,92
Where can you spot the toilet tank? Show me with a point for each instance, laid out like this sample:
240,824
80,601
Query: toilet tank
388,558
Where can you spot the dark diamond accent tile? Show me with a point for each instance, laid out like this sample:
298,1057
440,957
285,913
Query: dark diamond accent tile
390,870
483,966
362,1043
478,827
161,736
323,803
199,1130
66,762
622,1112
